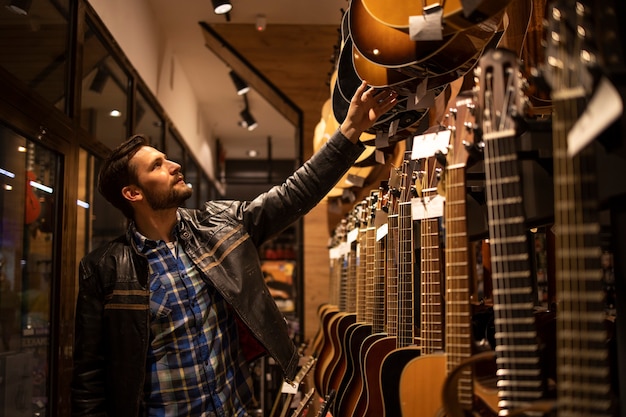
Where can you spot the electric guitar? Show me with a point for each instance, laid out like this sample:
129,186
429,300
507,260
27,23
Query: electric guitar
304,404
287,395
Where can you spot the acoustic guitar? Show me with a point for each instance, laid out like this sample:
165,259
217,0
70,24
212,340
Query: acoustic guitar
457,14
363,326
358,325
344,265
521,377
392,48
407,120
420,396
583,374
458,314
407,342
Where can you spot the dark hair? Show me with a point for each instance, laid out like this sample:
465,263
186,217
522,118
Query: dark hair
116,173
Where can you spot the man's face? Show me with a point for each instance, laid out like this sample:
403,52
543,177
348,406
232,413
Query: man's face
159,179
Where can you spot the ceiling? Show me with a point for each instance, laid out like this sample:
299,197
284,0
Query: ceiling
294,53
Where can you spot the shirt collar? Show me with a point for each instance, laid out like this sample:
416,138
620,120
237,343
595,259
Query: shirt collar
145,244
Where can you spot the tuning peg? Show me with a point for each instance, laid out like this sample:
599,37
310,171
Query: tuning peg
441,158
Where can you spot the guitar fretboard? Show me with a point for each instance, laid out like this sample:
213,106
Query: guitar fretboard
406,332
583,377
517,350
458,329
392,275
431,306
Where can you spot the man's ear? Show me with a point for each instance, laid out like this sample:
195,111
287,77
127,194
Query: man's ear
132,193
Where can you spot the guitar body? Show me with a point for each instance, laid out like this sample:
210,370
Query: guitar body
339,364
337,349
455,18
408,121
389,47
360,410
318,339
421,395
349,389
327,350
403,82
390,374
372,360
349,369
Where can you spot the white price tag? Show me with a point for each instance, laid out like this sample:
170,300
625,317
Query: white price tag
427,26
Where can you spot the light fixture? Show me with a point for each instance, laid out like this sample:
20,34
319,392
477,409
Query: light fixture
247,120
221,6
20,7
240,84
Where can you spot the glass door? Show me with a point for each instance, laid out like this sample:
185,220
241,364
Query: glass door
29,177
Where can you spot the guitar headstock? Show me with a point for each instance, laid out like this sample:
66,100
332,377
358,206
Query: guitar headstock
393,190
500,90
569,54
464,126
407,178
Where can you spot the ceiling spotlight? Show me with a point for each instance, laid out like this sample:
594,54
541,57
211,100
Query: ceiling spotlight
240,84
221,6
247,120
20,7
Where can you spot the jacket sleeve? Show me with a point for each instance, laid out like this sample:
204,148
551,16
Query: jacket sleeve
274,210
88,379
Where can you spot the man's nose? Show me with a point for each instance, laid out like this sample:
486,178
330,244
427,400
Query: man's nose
174,167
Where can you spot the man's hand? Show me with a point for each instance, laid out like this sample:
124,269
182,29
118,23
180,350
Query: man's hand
366,106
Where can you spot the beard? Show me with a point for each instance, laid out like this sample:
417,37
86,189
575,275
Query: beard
167,200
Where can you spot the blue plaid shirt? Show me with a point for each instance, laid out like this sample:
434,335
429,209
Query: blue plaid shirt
195,366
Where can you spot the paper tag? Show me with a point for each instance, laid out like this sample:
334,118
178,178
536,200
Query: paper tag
382,140
603,109
427,145
352,235
355,180
393,127
344,248
380,157
381,232
427,208
427,27
287,388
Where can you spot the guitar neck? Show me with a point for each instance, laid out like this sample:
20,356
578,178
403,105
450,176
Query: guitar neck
583,376
430,299
378,298
583,373
304,404
519,369
458,319
392,275
406,331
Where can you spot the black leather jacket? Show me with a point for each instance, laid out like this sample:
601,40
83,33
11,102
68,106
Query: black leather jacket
112,311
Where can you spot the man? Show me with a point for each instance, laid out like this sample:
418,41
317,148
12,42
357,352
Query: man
169,314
